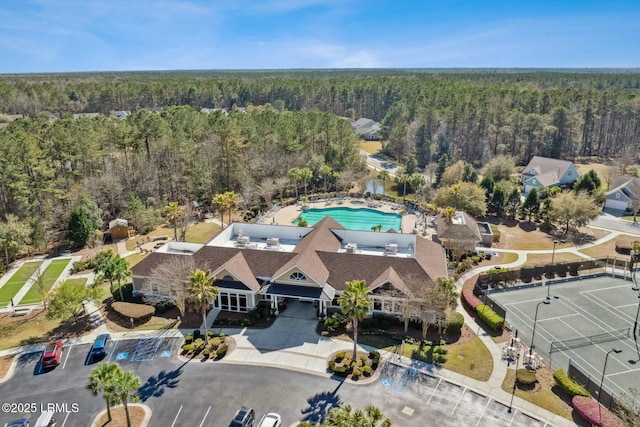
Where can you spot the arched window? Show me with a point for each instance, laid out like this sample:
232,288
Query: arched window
297,276
228,278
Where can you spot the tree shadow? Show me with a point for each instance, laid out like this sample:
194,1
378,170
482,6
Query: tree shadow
156,385
321,403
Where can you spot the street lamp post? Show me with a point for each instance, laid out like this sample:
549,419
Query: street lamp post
515,381
613,350
636,288
547,300
553,254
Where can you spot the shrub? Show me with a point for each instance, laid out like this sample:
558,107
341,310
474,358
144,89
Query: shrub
367,371
332,365
526,377
438,359
589,409
496,235
196,334
137,312
221,335
205,353
490,317
341,370
568,385
624,246
339,356
471,300
356,374
188,348
210,334
222,351
188,338
331,324
454,321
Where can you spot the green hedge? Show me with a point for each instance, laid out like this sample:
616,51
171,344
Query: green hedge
526,377
490,317
222,351
568,385
455,321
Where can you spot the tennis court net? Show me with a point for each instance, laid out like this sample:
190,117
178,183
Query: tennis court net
593,339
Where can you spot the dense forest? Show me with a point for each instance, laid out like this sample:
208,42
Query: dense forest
280,121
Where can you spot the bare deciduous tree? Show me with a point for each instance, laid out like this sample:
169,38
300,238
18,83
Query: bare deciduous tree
169,282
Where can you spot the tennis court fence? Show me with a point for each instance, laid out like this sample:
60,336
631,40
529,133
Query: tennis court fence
593,339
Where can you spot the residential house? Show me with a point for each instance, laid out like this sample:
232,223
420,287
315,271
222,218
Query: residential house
271,263
625,191
461,233
547,172
366,128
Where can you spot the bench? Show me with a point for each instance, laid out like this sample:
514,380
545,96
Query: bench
21,311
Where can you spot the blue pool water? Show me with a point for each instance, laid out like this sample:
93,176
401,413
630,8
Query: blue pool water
354,219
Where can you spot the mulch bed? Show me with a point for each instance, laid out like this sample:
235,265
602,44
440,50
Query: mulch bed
119,418
117,323
262,323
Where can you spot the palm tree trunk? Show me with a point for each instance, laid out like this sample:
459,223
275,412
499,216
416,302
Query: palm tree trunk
355,337
204,323
175,231
108,410
6,254
126,411
120,289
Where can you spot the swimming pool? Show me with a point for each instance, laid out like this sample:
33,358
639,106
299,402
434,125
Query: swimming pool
355,219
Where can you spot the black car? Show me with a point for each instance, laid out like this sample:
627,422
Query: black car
244,417
100,346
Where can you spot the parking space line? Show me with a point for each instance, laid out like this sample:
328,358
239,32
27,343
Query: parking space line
67,357
176,418
205,416
65,419
458,402
434,391
484,411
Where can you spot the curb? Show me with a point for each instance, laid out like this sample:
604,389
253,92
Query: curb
145,420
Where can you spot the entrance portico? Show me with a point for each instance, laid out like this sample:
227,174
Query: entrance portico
323,295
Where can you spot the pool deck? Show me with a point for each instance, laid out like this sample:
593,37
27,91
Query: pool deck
287,214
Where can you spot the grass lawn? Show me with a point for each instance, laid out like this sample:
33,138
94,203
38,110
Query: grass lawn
133,259
608,248
544,259
201,232
17,281
371,147
600,169
543,396
49,277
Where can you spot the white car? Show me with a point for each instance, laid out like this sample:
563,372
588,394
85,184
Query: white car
270,420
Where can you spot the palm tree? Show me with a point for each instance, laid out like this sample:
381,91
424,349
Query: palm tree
403,179
174,214
202,293
219,202
417,181
306,175
355,305
295,174
125,386
120,272
384,176
448,214
231,201
101,380
324,172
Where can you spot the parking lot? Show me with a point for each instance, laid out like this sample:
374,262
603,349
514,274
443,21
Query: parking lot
182,393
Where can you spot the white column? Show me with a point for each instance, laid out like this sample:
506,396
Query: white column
324,308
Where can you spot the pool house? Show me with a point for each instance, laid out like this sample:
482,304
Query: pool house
273,263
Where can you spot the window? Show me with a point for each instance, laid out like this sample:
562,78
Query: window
155,289
297,276
617,195
228,278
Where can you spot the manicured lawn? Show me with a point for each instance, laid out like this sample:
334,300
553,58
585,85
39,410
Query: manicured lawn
49,277
599,168
17,281
543,397
544,259
608,248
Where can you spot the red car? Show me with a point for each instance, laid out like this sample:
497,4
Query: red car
51,355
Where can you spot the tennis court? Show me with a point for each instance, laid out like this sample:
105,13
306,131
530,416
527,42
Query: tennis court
585,319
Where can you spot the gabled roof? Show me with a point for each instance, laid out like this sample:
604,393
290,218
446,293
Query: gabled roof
547,171
629,185
118,221
238,266
390,276
365,126
306,258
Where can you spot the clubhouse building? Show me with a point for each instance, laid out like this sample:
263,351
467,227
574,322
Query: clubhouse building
262,262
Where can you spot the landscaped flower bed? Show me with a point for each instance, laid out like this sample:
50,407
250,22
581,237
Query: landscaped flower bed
343,364
594,413
195,346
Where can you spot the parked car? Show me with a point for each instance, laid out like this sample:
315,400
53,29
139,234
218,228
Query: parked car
100,346
244,417
270,420
22,422
51,355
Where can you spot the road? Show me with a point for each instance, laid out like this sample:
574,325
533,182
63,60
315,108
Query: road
208,394
611,222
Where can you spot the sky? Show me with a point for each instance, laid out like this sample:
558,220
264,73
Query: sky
127,35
